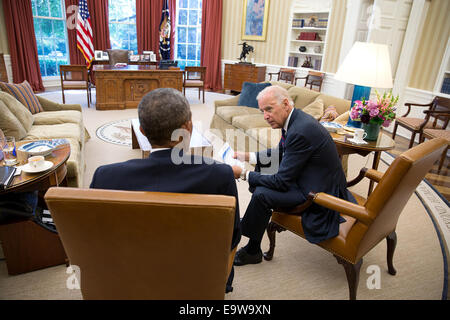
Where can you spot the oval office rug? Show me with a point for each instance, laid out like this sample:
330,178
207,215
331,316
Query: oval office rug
116,132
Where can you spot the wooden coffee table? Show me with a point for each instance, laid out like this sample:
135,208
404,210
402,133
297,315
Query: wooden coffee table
383,143
26,245
199,145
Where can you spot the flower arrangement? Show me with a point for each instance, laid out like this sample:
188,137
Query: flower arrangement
381,111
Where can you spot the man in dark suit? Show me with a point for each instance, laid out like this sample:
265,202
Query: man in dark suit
306,160
165,119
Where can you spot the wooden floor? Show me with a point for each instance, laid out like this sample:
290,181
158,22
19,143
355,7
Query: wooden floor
439,180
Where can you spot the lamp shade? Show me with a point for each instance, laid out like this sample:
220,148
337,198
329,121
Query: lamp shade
368,65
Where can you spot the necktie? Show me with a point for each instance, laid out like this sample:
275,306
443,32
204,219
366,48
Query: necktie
283,137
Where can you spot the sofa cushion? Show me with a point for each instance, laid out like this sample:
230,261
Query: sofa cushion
302,96
57,117
250,121
330,114
343,118
24,93
56,131
284,85
18,109
315,109
249,93
9,124
229,112
74,161
341,105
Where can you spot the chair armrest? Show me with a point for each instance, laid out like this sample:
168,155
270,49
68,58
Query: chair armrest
48,105
372,174
438,112
409,104
227,102
346,207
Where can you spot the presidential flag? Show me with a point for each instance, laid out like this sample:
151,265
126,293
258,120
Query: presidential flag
164,33
84,32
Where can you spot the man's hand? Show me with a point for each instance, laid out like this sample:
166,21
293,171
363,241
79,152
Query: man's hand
237,171
241,156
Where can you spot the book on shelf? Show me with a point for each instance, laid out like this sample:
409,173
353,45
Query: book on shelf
309,36
317,64
293,61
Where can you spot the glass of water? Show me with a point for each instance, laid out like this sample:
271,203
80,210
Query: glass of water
9,151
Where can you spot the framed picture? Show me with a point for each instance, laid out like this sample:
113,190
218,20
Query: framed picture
254,20
98,55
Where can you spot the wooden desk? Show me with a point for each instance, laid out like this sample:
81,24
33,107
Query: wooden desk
383,143
124,87
26,245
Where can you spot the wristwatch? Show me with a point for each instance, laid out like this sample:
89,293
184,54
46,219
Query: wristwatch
244,174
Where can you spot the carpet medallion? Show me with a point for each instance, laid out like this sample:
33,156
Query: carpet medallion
116,132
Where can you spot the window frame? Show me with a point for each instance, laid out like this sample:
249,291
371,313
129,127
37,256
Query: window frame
128,23
197,62
66,41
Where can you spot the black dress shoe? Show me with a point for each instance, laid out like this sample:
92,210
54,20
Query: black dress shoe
242,258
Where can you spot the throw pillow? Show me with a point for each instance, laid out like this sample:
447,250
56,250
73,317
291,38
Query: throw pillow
9,124
330,114
18,110
315,109
24,93
249,93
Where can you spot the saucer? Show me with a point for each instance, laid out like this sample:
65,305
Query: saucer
353,140
29,169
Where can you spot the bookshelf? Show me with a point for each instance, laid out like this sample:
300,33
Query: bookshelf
308,31
442,86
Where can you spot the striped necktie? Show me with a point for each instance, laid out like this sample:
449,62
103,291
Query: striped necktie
283,137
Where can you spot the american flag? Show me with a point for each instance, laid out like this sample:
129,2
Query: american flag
84,32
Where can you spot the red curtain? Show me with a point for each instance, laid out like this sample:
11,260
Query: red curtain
76,57
145,38
98,10
211,43
173,15
22,43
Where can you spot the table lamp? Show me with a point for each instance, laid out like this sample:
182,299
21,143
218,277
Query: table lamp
366,65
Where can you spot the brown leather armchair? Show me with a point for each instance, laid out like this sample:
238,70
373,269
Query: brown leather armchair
370,221
146,245
117,56
417,125
285,74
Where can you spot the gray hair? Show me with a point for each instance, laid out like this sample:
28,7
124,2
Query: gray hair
161,112
278,93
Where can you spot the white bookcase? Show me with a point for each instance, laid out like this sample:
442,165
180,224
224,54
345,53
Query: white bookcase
309,35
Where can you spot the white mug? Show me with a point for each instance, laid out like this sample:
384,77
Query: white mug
360,134
36,162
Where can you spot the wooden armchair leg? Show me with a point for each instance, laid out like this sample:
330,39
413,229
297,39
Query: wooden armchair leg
395,130
411,142
391,244
271,229
352,272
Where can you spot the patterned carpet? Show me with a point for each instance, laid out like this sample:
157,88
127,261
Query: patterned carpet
116,132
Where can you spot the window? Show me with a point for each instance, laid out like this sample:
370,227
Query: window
51,35
188,33
122,24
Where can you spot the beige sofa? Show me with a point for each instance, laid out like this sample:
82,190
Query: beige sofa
56,122
245,129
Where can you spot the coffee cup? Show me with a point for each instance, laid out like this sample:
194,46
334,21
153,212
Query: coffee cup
360,134
36,162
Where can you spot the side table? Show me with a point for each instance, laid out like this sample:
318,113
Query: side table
26,245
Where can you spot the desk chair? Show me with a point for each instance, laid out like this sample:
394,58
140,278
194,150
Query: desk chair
194,77
75,77
117,56
370,221
146,245
284,74
431,120
313,78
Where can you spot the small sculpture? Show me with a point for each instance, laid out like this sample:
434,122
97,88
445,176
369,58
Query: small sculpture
246,49
307,63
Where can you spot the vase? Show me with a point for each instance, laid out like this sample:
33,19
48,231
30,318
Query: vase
372,130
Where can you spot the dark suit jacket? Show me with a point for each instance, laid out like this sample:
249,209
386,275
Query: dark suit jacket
308,162
159,173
